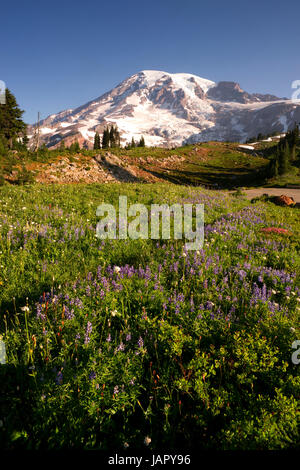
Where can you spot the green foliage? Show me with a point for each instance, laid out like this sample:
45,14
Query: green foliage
97,141
110,341
3,145
105,138
74,147
141,142
284,156
283,159
24,176
111,137
11,124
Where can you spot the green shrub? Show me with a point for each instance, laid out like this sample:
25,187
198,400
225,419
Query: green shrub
24,176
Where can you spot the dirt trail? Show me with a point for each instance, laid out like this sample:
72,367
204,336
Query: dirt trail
290,192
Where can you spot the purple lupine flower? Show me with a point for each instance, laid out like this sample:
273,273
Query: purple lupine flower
116,390
242,274
88,331
92,375
121,347
59,378
88,291
128,337
69,314
108,339
140,342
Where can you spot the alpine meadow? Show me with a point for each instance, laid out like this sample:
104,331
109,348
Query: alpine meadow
124,330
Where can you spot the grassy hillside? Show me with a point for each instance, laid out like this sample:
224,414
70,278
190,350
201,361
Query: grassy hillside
211,164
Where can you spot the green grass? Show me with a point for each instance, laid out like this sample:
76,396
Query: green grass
110,342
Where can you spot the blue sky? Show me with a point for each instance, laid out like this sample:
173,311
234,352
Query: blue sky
60,54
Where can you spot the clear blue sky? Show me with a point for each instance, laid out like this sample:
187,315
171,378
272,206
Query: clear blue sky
60,54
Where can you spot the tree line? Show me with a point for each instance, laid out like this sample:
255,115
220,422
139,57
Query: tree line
286,154
111,139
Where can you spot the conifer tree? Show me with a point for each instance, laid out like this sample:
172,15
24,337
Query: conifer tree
112,137
74,147
293,153
284,157
97,143
132,145
11,124
141,142
276,168
105,138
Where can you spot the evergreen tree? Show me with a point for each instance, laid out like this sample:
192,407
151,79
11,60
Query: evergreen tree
3,145
25,141
276,168
112,137
105,138
284,157
141,142
74,147
11,124
273,168
132,145
293,153
97,143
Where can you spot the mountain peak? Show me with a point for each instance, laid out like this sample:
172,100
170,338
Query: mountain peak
179,79
170,109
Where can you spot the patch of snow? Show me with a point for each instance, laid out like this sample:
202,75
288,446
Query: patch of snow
46,130
247,147
181,80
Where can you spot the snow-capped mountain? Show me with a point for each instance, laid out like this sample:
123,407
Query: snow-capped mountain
169,110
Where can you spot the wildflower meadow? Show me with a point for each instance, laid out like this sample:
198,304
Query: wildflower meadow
113,344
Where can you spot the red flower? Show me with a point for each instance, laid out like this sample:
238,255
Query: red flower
274,230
